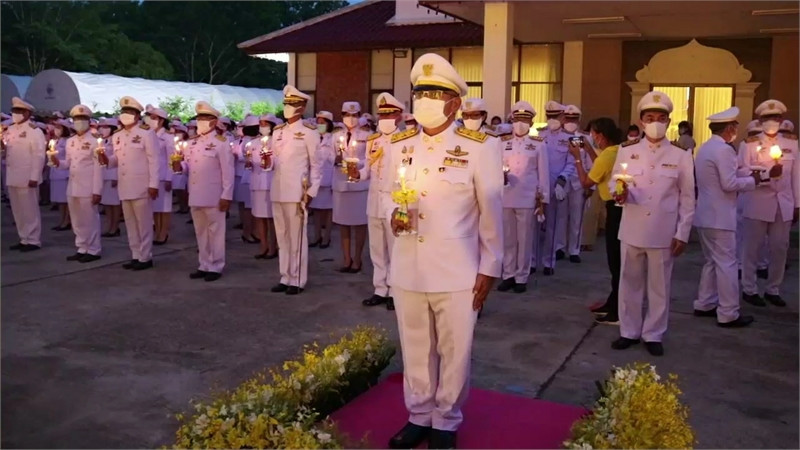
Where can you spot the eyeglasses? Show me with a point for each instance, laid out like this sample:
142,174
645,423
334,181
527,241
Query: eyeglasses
433,95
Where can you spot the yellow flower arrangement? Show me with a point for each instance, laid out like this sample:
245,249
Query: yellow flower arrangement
283,408
619,187
636,410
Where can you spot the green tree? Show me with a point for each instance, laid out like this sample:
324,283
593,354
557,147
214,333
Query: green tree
178,106
262,108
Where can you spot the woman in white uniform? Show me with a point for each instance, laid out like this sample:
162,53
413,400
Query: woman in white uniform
179,179
110,196
260,182
322,204
60,177
156,119
350,199
241,190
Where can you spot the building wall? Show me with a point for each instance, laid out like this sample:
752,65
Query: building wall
342,76
602,72
754,53
783,84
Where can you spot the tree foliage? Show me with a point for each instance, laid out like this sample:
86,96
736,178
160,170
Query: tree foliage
170,40
178,106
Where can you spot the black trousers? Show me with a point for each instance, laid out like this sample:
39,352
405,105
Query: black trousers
613,252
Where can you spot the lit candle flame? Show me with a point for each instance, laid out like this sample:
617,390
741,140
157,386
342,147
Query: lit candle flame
52,144
775,152
99,142
624,168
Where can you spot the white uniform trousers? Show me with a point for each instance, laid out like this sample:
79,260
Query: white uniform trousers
644,271
436,339
763,251
568,238
719,285
290,228
777,233
381,241
27,217
518,232
139,226
209,227
85,218
555,215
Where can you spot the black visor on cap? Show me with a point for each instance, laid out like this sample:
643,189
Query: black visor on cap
430,87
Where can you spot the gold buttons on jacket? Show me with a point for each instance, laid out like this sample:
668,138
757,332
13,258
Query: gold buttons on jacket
648,213
422,216
425,171
421,239
652,166
424,193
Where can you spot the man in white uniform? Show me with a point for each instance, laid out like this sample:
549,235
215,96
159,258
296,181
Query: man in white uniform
753,129
577,196
717,185
441,275
772,207
525,158
135,148
474,115
294,184
379,200
25,158
562,168
85,186
658,208
209,163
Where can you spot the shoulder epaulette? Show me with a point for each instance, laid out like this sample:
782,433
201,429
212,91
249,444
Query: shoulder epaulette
366,128
537,138
118,130
490,133
477,136
221,138
752,139
144,126
278,127
397,137
336,129
630,142
30,124
506,137
373,136
680,146
541,129
309,126
790,136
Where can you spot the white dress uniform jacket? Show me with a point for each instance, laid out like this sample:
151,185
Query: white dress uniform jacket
25,159
258,180
359,136
85,180
110,192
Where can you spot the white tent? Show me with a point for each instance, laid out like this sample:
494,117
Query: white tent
12,86
57,90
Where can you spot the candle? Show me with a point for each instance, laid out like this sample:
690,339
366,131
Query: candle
352,148
401,175
52,145
624,168
99,142
264,141
775,153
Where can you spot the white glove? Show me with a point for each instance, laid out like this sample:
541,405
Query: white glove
560,193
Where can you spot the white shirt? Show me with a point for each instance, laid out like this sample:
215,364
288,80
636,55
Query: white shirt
209,163
135,156
294,146
529,171
375,170
25,154
85,173
784,192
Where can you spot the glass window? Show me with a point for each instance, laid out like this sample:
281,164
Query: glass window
468,62
382,68
536,77
306,71
708,101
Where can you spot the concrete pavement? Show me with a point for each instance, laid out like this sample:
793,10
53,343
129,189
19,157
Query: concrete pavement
96,356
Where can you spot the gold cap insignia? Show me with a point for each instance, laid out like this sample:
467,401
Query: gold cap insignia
427,69
771,105
383,101
469,105
125,102
657,98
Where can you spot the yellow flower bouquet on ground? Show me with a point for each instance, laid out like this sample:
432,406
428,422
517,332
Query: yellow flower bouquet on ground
636,410
284,408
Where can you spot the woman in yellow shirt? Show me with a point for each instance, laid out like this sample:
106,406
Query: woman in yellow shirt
606,136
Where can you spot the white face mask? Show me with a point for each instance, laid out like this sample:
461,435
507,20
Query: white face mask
265,130
655,130
571,127
634,137
771,126
429,112
473,124
322,128
127,119
81,125
387,126
58,132
553,124
17,117
289,111
350,122
203,126
105,131
520,128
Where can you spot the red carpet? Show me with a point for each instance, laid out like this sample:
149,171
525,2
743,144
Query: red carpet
491,419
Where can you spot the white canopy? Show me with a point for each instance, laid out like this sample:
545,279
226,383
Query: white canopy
57,90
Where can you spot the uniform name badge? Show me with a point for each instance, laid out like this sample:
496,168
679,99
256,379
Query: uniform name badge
456,162
209,152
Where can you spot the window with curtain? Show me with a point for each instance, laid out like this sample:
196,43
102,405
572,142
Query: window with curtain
381,77
468,62
694,104
536,77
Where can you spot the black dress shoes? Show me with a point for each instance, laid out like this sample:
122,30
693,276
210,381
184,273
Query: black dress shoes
75,257
548,271
390,304
143,265
409,436
130,265
654,348
198,274
442,439
519,288
293,290
754,299
506,285
279,288
374,300
17,246
623,343
212,276
776,300
575,259
87,258
710,313
29,248
114,234
560,255
740,322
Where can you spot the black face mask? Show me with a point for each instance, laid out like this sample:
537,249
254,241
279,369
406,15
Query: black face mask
250,131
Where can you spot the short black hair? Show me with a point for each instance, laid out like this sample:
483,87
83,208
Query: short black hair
608,128
634,128
687,125
718,127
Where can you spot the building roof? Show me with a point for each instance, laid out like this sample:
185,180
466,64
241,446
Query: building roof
363,26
